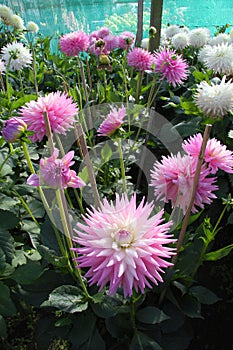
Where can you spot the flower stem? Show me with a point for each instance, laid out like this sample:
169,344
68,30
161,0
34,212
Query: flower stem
188,212
122,166
139,84
84,153
193,194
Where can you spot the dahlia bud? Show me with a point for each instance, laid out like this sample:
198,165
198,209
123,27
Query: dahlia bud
152,32
99,43
13,129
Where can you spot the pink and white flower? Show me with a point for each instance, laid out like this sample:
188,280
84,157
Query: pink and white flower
172,179
121,245
61,112
112,122
171,66
56,173
217,156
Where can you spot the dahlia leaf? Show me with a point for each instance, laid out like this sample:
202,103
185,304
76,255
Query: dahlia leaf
7,307
151,315
204,295
218,254
142,341
3,332
67,298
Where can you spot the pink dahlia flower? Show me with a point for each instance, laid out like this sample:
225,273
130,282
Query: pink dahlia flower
103,32
140,59
123,246
13,129
56,173
217,156
61,114
111,42
126,40
171,66
112,122
72,44
172,179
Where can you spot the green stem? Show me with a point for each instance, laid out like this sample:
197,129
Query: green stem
27,156
139,84
4,162
122,164
26,206
2,83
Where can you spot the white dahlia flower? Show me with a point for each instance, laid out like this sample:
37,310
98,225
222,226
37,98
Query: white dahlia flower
170,31
5,14
219,39
16,55
215,100
220,58
199,37
17,22
202,53
180,40
32,27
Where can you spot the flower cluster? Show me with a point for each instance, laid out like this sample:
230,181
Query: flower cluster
173,177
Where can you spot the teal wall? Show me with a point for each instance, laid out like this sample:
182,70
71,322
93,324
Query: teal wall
67,15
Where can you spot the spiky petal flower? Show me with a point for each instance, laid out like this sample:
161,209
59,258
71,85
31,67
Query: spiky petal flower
32,27
123,246
180,41
5,14
220,58
140,59
172,179
217,156
126,40
112,122
215,100
111,42
16,55
171,66
172,30
56,173
199,37
17,22
61,112
103,32
13,129
219,39
71,44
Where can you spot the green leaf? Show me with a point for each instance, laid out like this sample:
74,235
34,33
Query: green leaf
8,220
67,298
176,318
151,315
106,152
7,244
218,254
80,333
84,174
7,307
190,306
3,333
21,101
7,203
27,273
204,295
108,307
181,338
141,341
